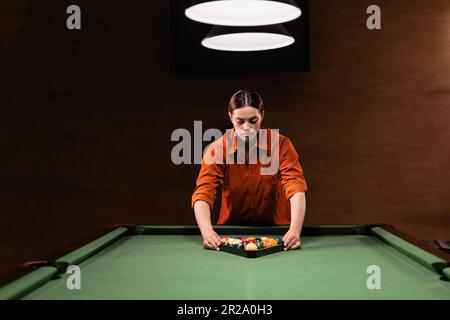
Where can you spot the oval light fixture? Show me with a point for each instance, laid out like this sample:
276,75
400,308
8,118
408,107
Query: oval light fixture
248,39
243,12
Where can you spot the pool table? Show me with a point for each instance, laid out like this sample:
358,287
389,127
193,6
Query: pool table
169,262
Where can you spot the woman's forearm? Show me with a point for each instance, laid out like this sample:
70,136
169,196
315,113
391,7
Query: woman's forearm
298,210
203,216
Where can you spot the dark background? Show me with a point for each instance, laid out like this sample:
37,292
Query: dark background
86,118
189,56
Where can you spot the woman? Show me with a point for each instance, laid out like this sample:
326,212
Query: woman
250,196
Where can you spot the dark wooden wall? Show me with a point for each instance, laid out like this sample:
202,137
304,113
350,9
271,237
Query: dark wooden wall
86,119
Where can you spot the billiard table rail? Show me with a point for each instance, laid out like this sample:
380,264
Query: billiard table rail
32,275
418,250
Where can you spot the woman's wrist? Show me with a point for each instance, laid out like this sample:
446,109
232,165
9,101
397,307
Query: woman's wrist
295,228
206,228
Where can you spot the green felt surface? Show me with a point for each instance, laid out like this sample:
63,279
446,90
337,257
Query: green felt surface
177,267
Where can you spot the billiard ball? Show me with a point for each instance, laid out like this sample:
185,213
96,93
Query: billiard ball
241,245
260,244
273,242
251,247
266,243
280,240
224,241
233,242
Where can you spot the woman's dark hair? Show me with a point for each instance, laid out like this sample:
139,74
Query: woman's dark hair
245,98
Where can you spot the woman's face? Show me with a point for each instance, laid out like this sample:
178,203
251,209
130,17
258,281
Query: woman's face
246,121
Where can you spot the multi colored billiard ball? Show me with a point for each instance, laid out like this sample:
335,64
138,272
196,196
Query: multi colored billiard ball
224,241
233,242
248,239
260,244
241,245
280,240
251,247
266,243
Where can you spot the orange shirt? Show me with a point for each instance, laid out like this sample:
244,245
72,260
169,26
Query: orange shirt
249,197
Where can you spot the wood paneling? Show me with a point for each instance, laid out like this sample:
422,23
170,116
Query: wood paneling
86,119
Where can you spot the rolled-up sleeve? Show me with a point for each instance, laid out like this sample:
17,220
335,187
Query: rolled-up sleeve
209,178
292,177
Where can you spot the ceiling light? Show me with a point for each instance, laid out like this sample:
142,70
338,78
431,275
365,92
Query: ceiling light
243,12
248,39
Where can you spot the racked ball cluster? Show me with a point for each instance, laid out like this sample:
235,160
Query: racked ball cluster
251,243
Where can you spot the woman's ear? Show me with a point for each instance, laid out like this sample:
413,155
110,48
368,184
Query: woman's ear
262,115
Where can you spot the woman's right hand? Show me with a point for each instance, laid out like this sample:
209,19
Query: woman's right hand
211,240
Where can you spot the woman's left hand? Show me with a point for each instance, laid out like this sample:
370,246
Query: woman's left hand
292,240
